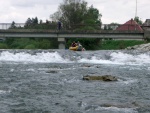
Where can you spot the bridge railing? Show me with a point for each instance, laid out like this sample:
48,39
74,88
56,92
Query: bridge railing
54,26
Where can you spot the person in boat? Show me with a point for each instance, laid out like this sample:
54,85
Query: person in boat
73,44
83,49
79,46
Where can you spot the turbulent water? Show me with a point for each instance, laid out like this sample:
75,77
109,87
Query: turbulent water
50,81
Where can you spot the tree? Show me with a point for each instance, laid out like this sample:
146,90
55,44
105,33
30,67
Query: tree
76,12
93,18
41,21
113,26
35,20
138,20
56,16
28,22
31,22
13,25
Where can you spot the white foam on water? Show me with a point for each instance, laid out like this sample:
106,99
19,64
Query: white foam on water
4,92
71,80
28,70
95,60
38,57
120,58
116,109
11,70
130,59
117,58
128,82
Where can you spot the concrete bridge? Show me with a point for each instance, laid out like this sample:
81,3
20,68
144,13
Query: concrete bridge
63,35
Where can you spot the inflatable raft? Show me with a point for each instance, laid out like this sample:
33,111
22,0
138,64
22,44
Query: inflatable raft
77,48
74,48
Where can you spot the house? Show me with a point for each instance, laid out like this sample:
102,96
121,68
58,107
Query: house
130,25
146,25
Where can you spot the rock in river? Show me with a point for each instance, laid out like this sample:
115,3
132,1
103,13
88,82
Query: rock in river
102,78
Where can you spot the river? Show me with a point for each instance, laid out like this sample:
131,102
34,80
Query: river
50,81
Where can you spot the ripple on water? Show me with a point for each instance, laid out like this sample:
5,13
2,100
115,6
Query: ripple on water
4,92
74,80
108,108
127,82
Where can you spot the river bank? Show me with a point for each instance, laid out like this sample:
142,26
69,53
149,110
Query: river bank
142,47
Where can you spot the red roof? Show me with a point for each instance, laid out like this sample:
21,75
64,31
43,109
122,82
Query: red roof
130,25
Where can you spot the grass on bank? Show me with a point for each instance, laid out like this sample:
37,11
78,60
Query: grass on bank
119,44
29,43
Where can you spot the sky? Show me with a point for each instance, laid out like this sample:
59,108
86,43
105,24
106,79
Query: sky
118,11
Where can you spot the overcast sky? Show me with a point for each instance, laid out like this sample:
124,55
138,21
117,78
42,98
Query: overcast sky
118,11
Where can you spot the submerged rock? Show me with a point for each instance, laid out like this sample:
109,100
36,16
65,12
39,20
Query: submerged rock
102,78
86,66
52,71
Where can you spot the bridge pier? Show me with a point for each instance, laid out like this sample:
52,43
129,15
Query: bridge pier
61,43
2,38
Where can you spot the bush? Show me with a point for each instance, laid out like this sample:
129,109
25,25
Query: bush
3,46
31,46
20,43
119,44
45,44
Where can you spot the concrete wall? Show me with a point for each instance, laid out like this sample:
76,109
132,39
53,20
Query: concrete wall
147,34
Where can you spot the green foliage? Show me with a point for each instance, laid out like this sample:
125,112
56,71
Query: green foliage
45,44
30,43
76,12
138,20
93,17
33,24
20,43
118,44
9,41
72,12
12,25
30,46
3,46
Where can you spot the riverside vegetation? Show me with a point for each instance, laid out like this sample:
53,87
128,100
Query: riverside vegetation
89,44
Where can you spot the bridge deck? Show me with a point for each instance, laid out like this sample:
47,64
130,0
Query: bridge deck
37,33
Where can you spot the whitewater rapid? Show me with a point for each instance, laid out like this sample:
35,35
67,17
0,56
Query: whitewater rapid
67,56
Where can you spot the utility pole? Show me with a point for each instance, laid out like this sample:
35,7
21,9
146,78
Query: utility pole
136,9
